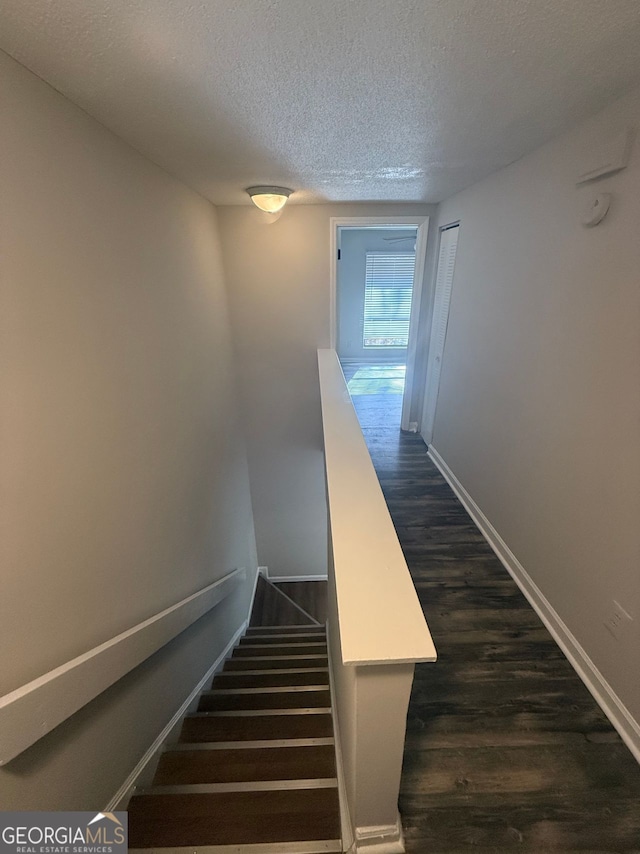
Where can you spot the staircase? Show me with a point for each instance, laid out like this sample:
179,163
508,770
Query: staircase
254,769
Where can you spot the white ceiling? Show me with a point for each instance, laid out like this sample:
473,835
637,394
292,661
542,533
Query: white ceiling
342,100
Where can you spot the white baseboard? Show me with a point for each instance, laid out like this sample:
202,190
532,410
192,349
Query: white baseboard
386,839
621,718
277,579
372,360
252,598
121,798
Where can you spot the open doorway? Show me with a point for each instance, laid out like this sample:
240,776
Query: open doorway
373,309
378,267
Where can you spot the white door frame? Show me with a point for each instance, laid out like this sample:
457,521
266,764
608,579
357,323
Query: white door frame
428,437
421,223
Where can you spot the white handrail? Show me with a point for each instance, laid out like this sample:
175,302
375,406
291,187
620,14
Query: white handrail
380,618
36,708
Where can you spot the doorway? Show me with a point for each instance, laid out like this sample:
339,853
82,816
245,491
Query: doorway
377,269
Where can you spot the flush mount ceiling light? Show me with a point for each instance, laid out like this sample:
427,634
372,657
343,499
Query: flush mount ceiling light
269,199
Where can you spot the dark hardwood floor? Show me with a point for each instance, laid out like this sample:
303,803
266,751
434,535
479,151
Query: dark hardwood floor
506,749
309,595
272,608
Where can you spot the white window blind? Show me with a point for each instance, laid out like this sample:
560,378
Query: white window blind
387,298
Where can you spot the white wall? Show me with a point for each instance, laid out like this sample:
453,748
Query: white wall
124,477
278,278
354,244
539,401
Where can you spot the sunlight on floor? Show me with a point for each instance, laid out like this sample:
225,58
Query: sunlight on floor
378,379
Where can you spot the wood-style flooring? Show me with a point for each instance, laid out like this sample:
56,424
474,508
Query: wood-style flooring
309,595
275,607
506,749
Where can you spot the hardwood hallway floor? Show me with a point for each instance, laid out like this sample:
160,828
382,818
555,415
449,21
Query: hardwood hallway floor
506,750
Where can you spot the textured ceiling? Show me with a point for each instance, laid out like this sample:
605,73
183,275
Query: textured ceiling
342,100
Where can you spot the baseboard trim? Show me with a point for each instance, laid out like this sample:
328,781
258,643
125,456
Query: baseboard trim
385,839
121,798
252,599
604,695
279,579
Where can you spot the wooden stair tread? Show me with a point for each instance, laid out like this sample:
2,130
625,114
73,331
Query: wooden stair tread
256,649
280,700
280,663
244,765
238,679
256,727
306,627
255,765
233,818
277,640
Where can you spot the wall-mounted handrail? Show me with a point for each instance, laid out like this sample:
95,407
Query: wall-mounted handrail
33,710
381,620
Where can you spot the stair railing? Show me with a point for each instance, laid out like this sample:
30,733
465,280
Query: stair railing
377,630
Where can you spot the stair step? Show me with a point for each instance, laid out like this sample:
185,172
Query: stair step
254,745
312,637
234,818
254,770
274,679
216,701
277,662
319,648
306,627
253,713
242,786
212,727
268,690
244,765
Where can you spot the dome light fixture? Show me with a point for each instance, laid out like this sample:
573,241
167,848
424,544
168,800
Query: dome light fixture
269,199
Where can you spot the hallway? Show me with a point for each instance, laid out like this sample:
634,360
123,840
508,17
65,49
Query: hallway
506,750
382,386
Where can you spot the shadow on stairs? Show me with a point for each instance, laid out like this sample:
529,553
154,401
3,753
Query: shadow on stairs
289,603
254,769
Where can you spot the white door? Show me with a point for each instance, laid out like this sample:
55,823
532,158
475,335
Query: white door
444,284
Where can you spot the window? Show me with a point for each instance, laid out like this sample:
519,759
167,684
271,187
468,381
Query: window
387,298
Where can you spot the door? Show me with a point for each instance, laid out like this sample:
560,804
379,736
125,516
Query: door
444,285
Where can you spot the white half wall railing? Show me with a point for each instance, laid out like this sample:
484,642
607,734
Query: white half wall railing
30,712
377,630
